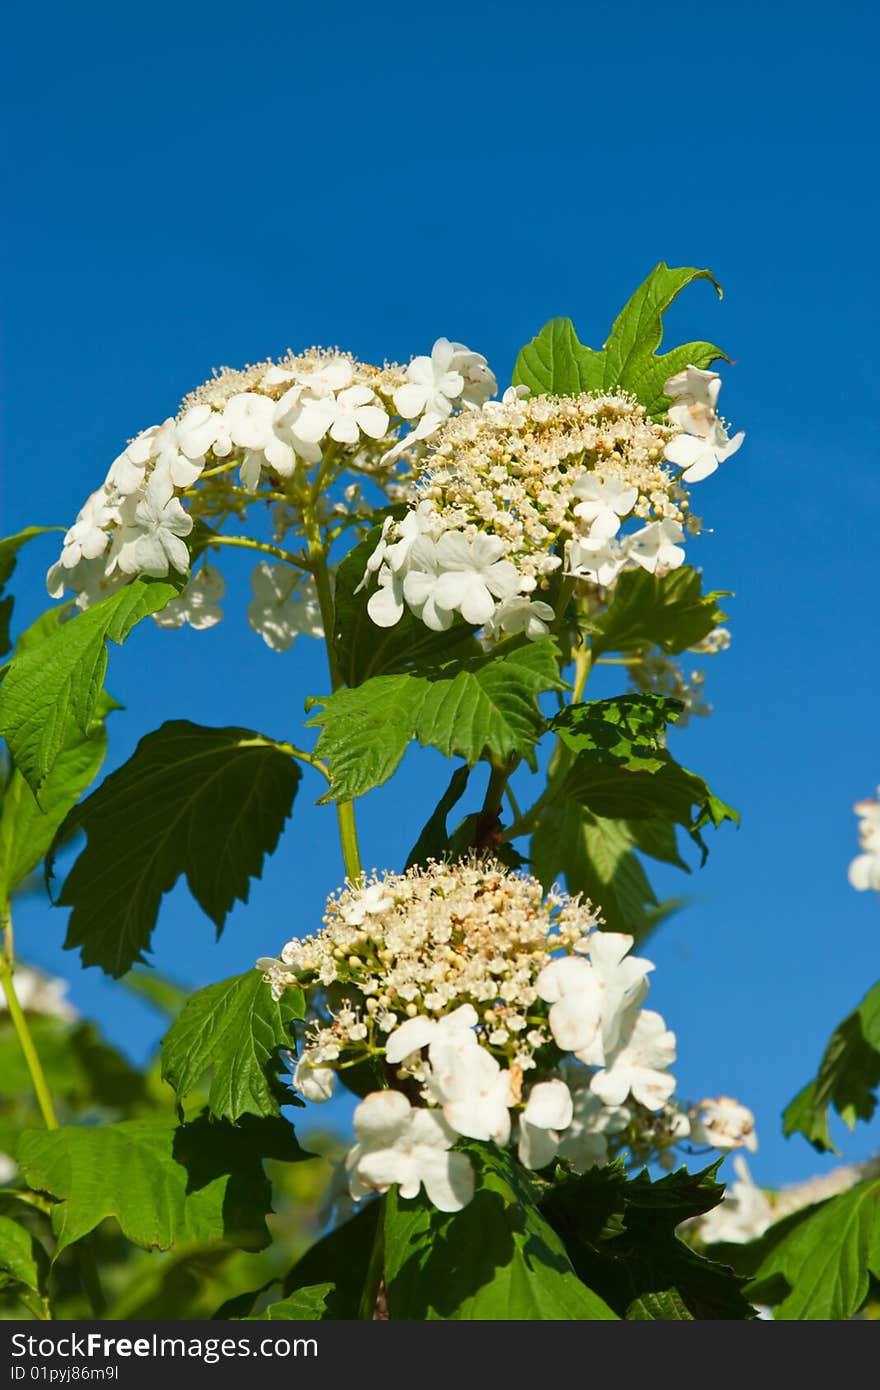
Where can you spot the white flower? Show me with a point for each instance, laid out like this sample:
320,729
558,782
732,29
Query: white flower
423,575
638,1067
585,1143
313,1081
433,383
599,560
409,1147
386,605
695,394
698,456
604,502
864,871
473,574
89,580
470,1086
571,987
128,472
705,442
197,604
334,374
87,539
723,1123
548,1111
282,607
744,1213
8,1169
41,994
344,417
366,902
479,379
521,614
655,547
418,1032
622,981
248,419
149,539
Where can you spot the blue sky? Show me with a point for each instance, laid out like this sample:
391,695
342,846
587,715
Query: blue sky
196,184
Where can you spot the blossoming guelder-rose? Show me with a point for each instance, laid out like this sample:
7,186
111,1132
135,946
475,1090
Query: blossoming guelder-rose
468,557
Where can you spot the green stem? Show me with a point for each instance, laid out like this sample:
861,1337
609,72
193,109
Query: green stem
20,1024
264,548
318,563
88,1268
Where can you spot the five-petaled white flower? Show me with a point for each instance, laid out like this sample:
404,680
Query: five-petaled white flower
599,560
282,607
197,604
604,502
472,575
622,981
433,383
743,1214
397,1144
548,1112
344,417
638,1067
150,537
656,546
87,539
479,379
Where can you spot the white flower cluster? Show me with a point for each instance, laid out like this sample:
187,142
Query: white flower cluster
269,424
491,1011
511,493
864,871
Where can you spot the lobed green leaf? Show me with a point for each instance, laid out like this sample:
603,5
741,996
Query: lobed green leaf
234,1029
207,803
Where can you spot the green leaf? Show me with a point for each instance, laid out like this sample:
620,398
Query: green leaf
622,770
473,709
848,1077
433,842
202,1181
55,685
826,1260
28,827
630,352
670,793
620,1236
235,1028
629,730
305,1305
556,362
23,1261
207,803
497,1259
669,611
364,650
665,1306
596,857
9,548
340,1262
